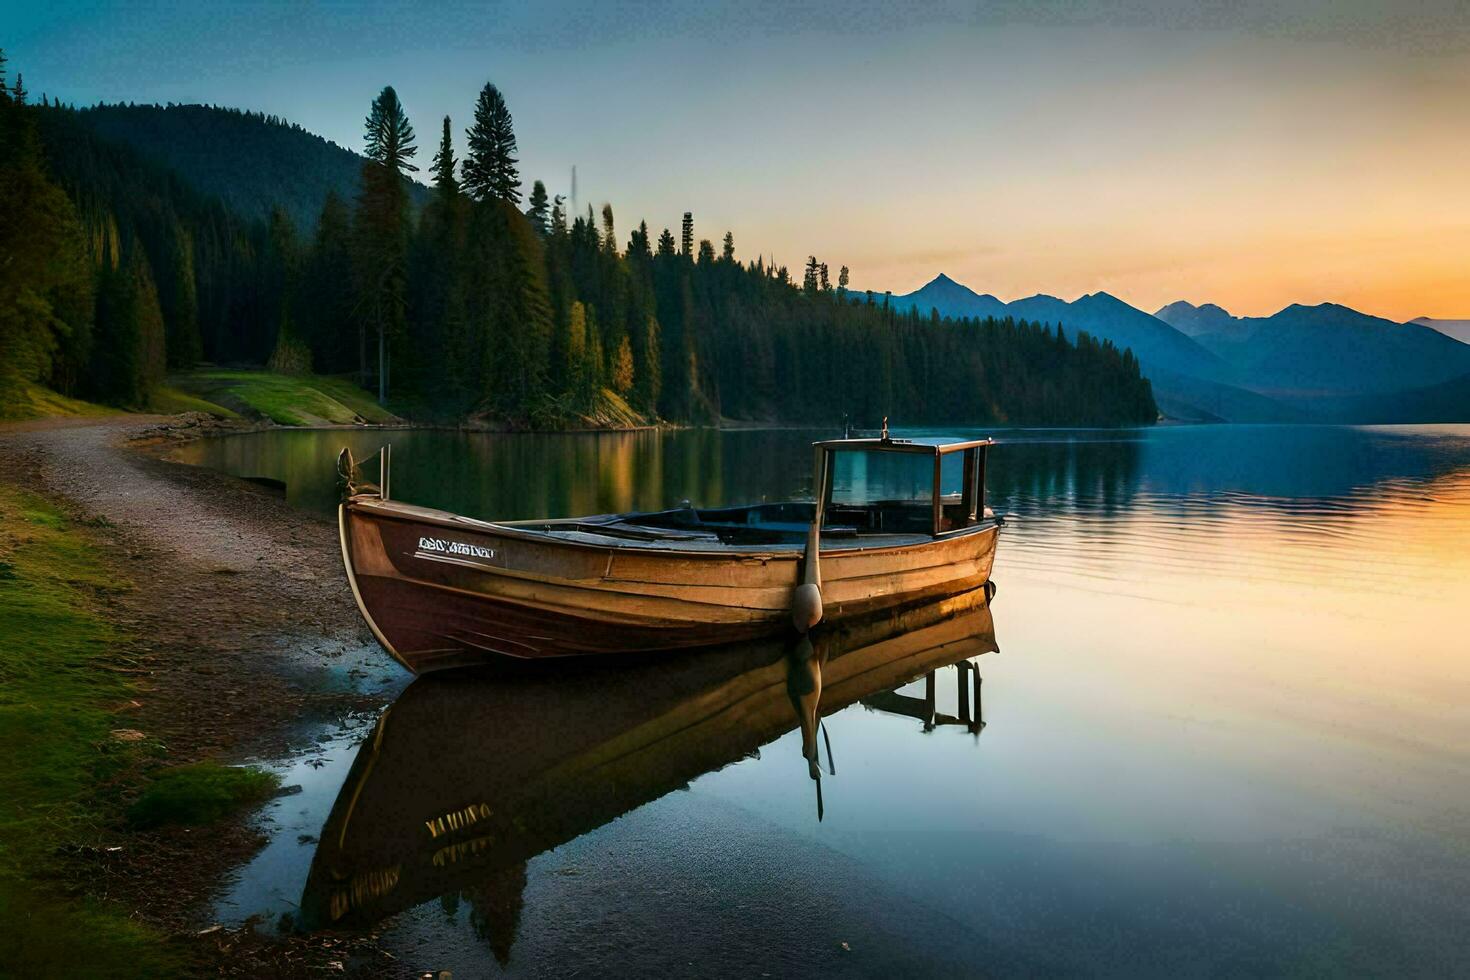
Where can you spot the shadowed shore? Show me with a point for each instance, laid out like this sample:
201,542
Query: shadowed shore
223,610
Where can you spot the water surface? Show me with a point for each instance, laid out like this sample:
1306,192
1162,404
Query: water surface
1227,730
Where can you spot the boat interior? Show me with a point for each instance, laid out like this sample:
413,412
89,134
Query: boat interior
887,489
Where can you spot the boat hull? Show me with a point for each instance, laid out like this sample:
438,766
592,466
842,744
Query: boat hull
441,592
464,779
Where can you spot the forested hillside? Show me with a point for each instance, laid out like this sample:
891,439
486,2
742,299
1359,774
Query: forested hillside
252,162
479,303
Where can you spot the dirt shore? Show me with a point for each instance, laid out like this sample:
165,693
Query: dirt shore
238,611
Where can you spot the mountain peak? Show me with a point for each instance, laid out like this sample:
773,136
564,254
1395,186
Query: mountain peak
1328,314
950,298
945,286
1191,320
1104,297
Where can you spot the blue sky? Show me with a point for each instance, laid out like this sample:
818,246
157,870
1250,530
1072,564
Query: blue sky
1248,154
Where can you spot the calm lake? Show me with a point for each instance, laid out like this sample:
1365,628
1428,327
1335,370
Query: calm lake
1216,720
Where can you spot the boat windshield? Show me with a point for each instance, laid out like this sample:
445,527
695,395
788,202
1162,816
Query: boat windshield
861,477
876,490
903,487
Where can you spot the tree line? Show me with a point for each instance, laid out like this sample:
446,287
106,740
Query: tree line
488,299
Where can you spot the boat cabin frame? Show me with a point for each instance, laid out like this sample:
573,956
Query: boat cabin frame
949,513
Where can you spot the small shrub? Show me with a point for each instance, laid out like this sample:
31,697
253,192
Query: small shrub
201,794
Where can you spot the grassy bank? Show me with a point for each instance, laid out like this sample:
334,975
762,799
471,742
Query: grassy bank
300,400
23,400
285,399
69,766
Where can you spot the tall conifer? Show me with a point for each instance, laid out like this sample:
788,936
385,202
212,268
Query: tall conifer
383,229
490,167
638,243
609,234
445,181
537,212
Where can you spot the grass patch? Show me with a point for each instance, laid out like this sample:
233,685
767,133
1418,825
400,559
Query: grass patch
200,794
61,774
286,399
47,936
20,400
172,401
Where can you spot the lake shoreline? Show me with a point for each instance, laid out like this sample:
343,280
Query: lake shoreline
235,614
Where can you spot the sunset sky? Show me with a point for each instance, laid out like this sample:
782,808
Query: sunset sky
1252,154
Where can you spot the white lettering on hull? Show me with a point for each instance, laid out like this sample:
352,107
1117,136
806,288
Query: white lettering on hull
445,547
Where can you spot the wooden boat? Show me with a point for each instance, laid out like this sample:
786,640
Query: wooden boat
443,590
467,777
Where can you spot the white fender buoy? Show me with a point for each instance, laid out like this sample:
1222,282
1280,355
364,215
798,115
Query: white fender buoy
806,606
806,600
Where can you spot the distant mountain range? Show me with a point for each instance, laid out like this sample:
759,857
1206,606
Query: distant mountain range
1305,363
1315,363
1459,329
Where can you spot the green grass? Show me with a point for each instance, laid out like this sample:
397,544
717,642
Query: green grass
44,935
286,399
201,794
172,401
61,773
26,400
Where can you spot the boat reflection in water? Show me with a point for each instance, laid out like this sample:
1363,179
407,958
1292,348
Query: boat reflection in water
468,776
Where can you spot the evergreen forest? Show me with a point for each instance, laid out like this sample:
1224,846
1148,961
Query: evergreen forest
458,289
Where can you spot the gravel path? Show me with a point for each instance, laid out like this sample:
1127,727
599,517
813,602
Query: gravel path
239,610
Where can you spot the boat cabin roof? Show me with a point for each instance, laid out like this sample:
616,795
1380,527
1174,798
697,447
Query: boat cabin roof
900,445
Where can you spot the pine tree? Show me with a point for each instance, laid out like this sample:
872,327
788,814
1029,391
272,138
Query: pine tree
46,279
559,216
809,279
666,243
513,304
687,247
648,370
185,346
728,252
490,168
609,235
592,370
282,261
537,212
574,350
638,244
706,251
129,360
842,281
622,369
383,225
389,135
20,89
329,289
445,182
823,283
